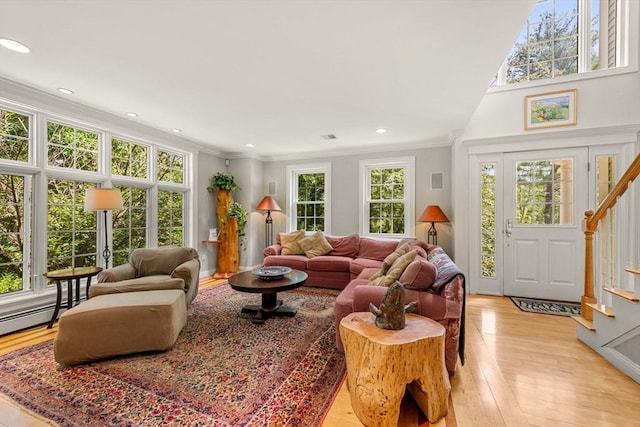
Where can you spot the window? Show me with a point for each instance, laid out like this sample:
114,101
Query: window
129,159
488,214
71,231
14,136
72,148
15,229
130,224
387,197
544,192
564,37
309,197
170,218
170,167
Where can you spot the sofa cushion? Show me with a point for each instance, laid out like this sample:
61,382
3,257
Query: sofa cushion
419,275
315,245
376,249
329,263
359,264
297,262
290,242
395,271
344,246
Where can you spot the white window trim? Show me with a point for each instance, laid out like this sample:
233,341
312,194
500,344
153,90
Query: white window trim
409,215
292,172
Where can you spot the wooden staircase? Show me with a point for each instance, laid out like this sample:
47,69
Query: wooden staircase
611,326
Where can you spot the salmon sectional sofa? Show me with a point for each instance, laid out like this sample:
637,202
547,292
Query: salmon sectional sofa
362,268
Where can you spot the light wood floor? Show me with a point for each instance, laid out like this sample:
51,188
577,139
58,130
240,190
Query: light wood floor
521,369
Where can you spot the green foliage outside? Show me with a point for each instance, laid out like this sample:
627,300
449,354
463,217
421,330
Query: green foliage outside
71,238
548,46
310,205
386,209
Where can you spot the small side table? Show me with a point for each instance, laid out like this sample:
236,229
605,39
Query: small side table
382,364
70,274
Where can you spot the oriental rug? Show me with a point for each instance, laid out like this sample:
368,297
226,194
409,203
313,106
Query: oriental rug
559,308
222,371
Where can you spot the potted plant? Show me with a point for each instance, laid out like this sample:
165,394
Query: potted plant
222,181
240,213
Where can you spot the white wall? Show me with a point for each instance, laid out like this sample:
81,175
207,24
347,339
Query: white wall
344,191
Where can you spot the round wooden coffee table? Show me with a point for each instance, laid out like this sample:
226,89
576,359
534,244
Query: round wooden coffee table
271,305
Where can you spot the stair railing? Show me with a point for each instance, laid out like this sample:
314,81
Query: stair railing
590,226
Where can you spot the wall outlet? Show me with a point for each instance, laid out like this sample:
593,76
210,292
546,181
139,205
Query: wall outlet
203,258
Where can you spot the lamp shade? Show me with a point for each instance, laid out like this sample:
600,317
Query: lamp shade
433,213
268,204
102,199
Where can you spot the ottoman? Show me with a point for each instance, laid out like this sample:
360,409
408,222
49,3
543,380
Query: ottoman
117,324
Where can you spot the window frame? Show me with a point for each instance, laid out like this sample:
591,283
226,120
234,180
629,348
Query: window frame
293,171
406,163
626,58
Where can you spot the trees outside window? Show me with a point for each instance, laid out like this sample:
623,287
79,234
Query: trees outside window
130,224
563,37
309,197
387,198
170,218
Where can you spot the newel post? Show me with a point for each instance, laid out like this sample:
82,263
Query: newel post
588,295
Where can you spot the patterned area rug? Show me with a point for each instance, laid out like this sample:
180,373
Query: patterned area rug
542,306
222,371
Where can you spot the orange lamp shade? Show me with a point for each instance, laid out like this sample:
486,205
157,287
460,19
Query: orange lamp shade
433,213
268,204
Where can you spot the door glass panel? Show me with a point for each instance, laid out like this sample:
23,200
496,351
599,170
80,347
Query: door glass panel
544,192
488,226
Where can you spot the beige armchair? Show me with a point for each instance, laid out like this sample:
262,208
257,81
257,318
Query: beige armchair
152,269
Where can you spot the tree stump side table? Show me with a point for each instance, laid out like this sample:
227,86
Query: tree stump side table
382,363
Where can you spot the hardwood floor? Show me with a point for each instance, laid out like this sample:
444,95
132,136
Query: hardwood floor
521,369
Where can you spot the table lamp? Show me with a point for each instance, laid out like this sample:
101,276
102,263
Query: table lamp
268,204
103,199
433,214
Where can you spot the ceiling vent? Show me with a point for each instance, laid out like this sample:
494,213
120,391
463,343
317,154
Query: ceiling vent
329,136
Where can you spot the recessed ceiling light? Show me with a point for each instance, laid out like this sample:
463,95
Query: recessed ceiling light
65,91
131,114
381,130
249,145
176,130
14,45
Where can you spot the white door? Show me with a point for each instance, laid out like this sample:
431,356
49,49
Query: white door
545,196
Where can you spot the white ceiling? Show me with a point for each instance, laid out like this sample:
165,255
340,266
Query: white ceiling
276,74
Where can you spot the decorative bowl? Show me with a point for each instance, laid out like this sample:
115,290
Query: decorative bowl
271,273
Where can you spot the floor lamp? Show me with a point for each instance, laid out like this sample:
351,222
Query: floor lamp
268,204
103,199
433,214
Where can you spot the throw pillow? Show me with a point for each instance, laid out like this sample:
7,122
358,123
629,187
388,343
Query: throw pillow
315,245
419,275
395,271
289,242
402,249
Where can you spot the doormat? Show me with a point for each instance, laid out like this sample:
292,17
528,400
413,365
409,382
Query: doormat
558,308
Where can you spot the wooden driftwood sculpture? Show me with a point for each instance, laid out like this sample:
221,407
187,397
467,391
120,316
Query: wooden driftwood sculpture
391,313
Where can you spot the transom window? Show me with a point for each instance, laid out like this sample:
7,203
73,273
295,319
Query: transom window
387,198
309,198
564,37
129,159
72,148
170,167
14,136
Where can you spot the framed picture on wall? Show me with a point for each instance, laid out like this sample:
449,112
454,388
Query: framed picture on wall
550,109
